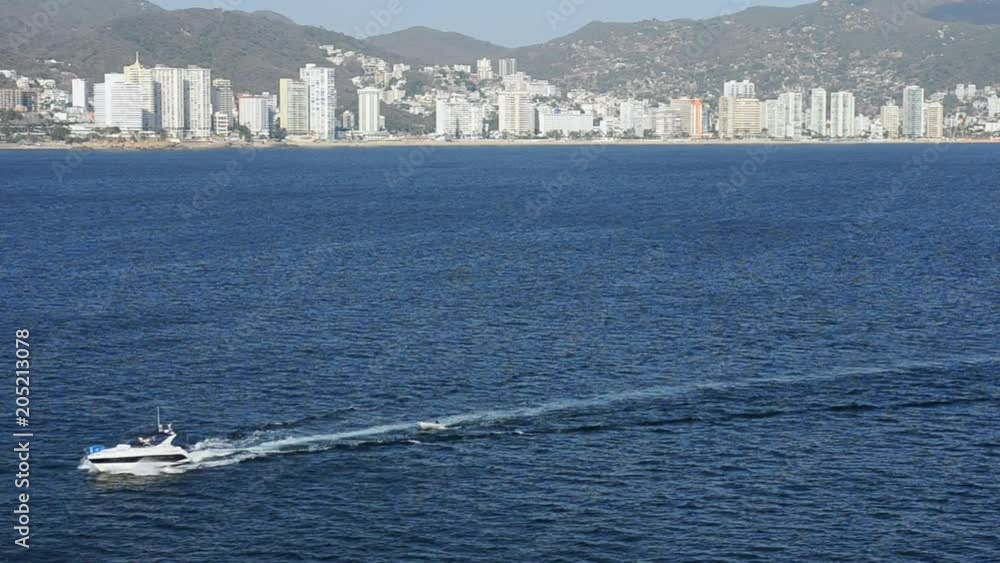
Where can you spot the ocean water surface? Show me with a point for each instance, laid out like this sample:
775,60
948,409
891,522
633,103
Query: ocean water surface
643,353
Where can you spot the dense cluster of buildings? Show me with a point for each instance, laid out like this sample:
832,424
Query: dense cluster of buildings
490,99
189,104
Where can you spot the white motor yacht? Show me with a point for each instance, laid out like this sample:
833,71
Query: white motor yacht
144,453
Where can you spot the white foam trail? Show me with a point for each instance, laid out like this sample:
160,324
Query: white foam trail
219,453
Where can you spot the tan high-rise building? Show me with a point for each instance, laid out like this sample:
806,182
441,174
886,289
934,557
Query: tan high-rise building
293,106
691,115
891,120
517,113
739,117
143,77
935,120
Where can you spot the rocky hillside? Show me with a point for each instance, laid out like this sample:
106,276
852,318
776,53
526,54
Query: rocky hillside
870,46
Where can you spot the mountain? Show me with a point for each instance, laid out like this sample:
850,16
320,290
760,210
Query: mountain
970,11
426,46
873,47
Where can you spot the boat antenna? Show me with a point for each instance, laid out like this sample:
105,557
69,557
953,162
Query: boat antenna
158,419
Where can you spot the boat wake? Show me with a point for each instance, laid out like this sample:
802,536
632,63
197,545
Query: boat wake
220,452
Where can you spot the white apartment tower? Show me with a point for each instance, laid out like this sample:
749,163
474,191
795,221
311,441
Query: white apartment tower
993,106
168,98
517,113
913,112
739,89
255,115
790,115
183,100
484,69
118,103
566,122
322,94
198,102
507,67
369,109
770,118
817,111
457,116
79,93
632,116
842,115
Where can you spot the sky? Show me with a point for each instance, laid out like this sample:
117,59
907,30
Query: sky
512,23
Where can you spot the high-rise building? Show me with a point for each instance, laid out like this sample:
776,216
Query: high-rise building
566,122
632,117
255,115
790,115
666,122
369,109
118,103
862,125
993,106
507,67
223,100
322,92
739,89
484,69
817,112
79,87
183,98
347,120
143,77
842,115
457,116
516,81
739,117
690,111
890,120
935,120
913,112
197,102
10,98
770,118
222,123
293,100
168,98
517,113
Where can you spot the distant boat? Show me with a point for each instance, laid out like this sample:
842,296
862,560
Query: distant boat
431,426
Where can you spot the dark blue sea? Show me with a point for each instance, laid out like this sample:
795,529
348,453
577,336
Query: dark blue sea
642,353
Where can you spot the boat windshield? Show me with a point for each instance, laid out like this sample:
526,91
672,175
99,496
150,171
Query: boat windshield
147,441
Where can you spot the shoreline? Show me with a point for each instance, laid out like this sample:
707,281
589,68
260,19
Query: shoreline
416,142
